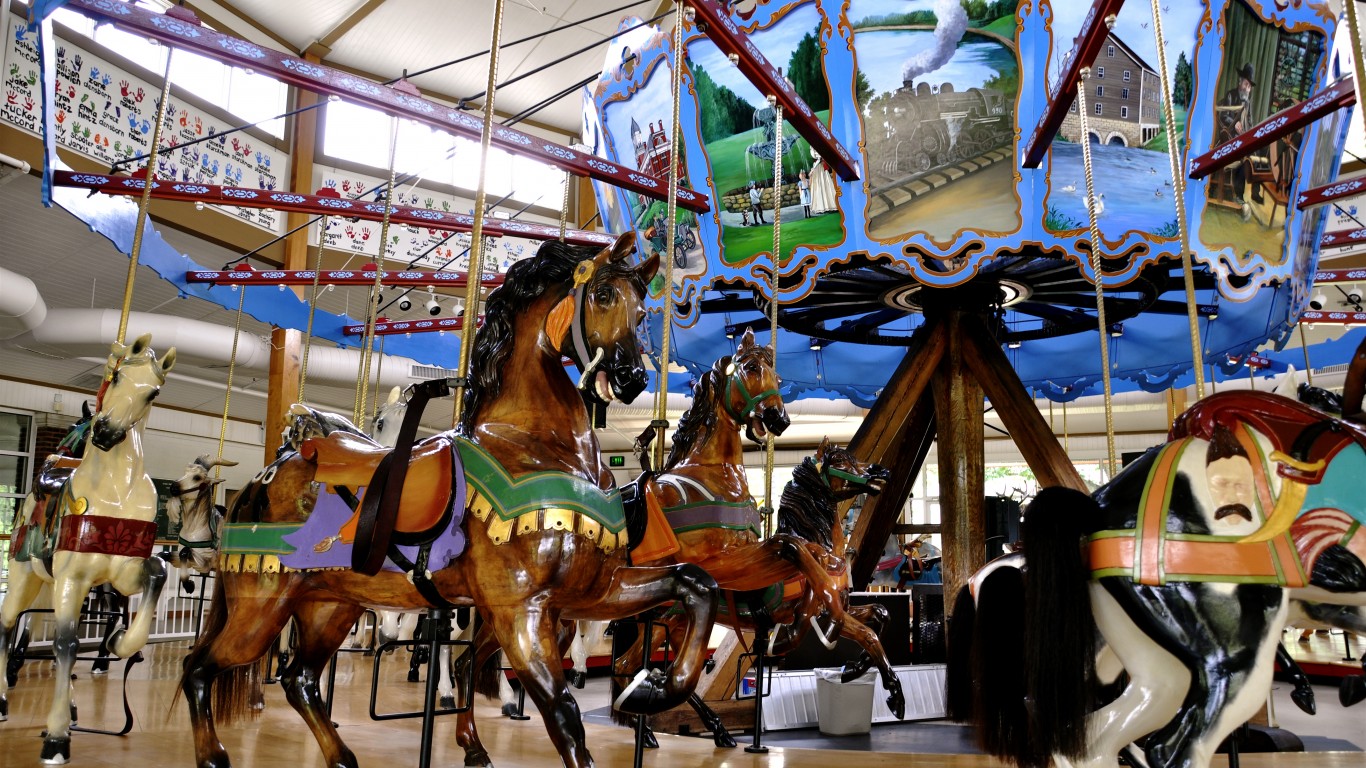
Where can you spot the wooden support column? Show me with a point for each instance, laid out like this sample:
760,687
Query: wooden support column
959,411
286,344
882,436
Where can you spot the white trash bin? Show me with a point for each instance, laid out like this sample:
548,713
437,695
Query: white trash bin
844,708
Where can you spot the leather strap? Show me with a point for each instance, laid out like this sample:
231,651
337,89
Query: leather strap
379,508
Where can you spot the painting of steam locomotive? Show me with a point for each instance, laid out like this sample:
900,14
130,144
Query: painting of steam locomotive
928,127
936,86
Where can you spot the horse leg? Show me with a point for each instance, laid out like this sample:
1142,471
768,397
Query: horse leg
147,576
710,720
529,637
255,621
24,586
633,590
1225,635
70,586
322,628
873,653
578,651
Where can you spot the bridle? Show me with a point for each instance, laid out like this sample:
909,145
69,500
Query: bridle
736,383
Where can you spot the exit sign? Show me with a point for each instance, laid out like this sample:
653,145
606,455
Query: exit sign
616,461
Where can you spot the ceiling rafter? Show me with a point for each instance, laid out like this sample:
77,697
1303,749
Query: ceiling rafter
347,24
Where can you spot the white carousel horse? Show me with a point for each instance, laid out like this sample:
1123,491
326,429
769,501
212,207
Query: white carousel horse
107,529
198,517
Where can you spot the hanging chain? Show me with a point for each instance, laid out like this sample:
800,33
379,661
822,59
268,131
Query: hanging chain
661,420
372,308
1179,197
312,309
770,447
474,276
227,390
145,202
1096,267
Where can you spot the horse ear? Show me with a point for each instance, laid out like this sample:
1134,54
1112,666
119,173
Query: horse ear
168,362
394,395
748,339
141,343
825,447
624,246
85,410
649,268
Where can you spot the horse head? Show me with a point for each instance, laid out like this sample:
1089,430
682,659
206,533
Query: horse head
751,394
196,482
132,380
846,475
389,419
73,444
600,317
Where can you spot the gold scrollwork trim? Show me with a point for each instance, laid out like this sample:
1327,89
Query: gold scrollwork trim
501,531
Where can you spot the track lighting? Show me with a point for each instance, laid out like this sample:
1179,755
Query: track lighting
1319,301
405,303
1354,294
433,306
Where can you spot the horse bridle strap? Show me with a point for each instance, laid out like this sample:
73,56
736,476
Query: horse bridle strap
829,472
734,383
379,508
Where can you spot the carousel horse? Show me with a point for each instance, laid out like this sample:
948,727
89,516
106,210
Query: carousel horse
793,599
515,512
198,518
106,529
34,531
1192,557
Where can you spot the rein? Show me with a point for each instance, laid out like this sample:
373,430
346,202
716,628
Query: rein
828,472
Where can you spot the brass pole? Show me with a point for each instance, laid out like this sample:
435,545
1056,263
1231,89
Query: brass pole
770,445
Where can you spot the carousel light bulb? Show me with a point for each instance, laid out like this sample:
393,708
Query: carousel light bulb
199,205
734,59
333,97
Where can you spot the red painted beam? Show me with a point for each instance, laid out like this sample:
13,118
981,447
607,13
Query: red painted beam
394,327
1345,237
179,27
1085,46
1328,276
713,20
1287,121
351,277
1330,192
1333,318
369,210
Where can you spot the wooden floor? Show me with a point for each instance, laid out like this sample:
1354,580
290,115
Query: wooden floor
278,739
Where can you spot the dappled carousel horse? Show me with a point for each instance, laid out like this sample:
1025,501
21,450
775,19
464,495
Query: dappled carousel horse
791,598
107,526
516,513
1192,555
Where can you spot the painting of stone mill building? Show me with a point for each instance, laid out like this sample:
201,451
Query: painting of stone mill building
937,84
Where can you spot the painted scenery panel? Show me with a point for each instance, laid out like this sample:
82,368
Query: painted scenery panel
937,86
1131,168
1265,68
738,131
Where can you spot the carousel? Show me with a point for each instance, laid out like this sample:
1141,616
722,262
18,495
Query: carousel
930,211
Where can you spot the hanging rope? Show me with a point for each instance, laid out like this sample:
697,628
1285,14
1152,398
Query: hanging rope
474,274
227,390
661,419
564,206
312,309
145,201
1096,267
1179,197
372,307
770,446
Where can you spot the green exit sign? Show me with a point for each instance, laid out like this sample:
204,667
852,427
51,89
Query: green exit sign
616,461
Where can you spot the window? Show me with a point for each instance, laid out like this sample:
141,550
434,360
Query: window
16,467
1124,93
1099,108
1100,72
1110,51
1100,90
1126,75
1123,111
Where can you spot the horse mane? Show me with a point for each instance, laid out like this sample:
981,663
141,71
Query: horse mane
807,506
696,423
525,282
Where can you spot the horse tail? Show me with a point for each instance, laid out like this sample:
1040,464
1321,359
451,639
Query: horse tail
1060,633
996,661
958,687
236,691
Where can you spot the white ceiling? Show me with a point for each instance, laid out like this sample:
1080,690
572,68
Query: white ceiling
391,36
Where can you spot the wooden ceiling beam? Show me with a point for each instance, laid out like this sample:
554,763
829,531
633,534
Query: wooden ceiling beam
350,22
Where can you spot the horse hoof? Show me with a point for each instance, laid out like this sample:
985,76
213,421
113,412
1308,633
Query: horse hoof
1304,699
412,676
644,695
897,704
649,741
56,751
4,710
709,666
478,759
509,710
99,670
1352,690
577,679
448,702
724,740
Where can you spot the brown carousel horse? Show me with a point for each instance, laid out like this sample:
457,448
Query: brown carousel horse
105,532
793,575
521,514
